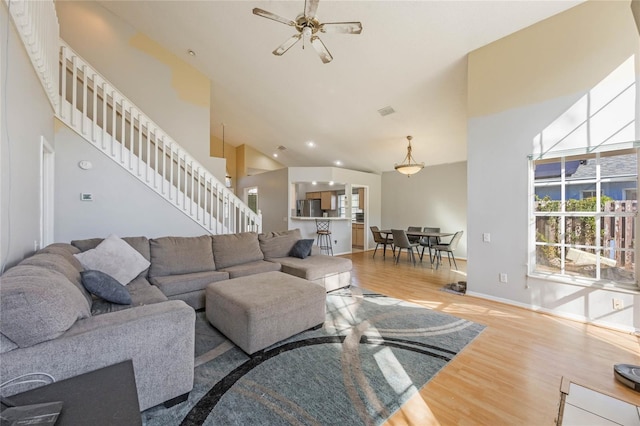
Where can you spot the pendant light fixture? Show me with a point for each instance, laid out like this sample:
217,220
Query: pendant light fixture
227,177
409,166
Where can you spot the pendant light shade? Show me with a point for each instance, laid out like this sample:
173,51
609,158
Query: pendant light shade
409,166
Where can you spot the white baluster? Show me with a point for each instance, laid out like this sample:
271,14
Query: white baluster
94,113
104,116
139,144
74,91
84,115
63,83
131,137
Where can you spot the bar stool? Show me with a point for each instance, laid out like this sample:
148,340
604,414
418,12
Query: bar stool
323,230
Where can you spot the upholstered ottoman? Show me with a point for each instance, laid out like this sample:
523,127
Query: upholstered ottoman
259,310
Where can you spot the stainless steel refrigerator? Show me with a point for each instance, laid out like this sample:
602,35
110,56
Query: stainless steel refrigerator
309,208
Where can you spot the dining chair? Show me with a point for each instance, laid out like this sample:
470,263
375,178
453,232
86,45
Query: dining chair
429,242
412,238
449,248
385,241
401,241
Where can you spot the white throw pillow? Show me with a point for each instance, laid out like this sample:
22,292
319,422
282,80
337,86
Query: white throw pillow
114,257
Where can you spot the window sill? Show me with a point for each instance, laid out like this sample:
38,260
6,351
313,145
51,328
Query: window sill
603,285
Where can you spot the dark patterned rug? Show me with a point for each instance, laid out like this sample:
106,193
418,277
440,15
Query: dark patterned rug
372,354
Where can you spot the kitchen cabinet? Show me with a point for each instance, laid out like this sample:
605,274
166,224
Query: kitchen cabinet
357,235
361,198
313,195
328,200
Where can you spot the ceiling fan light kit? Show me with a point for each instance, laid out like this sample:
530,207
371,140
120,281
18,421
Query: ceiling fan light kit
409,166
307,25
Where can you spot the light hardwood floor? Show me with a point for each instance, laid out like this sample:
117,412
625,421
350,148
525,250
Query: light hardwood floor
511,373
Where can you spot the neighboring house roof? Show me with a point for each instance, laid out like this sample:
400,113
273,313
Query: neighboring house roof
615,166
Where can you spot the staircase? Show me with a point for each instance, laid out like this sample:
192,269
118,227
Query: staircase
94,108
91,106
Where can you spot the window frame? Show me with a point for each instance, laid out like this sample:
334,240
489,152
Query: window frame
601,248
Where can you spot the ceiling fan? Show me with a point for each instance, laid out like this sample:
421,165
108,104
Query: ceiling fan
308,25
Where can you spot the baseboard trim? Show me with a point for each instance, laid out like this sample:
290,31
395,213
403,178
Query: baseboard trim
543,310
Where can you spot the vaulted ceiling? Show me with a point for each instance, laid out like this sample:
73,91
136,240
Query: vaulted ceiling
411,56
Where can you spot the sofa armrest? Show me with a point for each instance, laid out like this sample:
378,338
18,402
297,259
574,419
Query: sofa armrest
159,338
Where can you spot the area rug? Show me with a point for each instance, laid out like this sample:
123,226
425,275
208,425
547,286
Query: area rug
372,354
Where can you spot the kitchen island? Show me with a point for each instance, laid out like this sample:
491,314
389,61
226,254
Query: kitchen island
340,231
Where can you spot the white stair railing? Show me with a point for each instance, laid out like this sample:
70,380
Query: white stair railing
94,108
37,24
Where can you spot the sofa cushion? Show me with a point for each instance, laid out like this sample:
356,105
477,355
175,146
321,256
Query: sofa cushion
6,344
65,250
315,267
302,248
251,268
38,304
172,285
234,249
180,255
116,258
105,287
278,244
62,264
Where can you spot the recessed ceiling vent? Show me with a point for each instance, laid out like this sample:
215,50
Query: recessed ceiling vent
281,148
386,111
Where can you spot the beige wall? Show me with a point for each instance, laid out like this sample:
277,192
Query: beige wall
251,162
514,71
229,154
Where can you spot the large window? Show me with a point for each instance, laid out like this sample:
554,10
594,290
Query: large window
583,221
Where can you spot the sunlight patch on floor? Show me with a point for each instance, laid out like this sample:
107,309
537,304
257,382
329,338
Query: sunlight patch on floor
464,308
416,411
611,337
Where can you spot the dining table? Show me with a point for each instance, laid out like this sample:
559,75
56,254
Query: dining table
421,234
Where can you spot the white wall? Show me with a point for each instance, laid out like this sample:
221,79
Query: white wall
518,86
341,229
122,204
434,197
276,198
272,198
26,116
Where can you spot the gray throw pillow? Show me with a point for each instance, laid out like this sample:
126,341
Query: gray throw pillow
302,248
106,287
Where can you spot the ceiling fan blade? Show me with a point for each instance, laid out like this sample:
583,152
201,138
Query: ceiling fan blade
317,44
341,27
310,8
273,16
287,45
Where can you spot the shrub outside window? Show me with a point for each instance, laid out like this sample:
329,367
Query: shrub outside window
583,219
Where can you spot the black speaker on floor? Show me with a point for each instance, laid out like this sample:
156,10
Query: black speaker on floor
628,374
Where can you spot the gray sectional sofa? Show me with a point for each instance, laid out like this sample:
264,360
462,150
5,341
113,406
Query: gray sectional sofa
50,323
